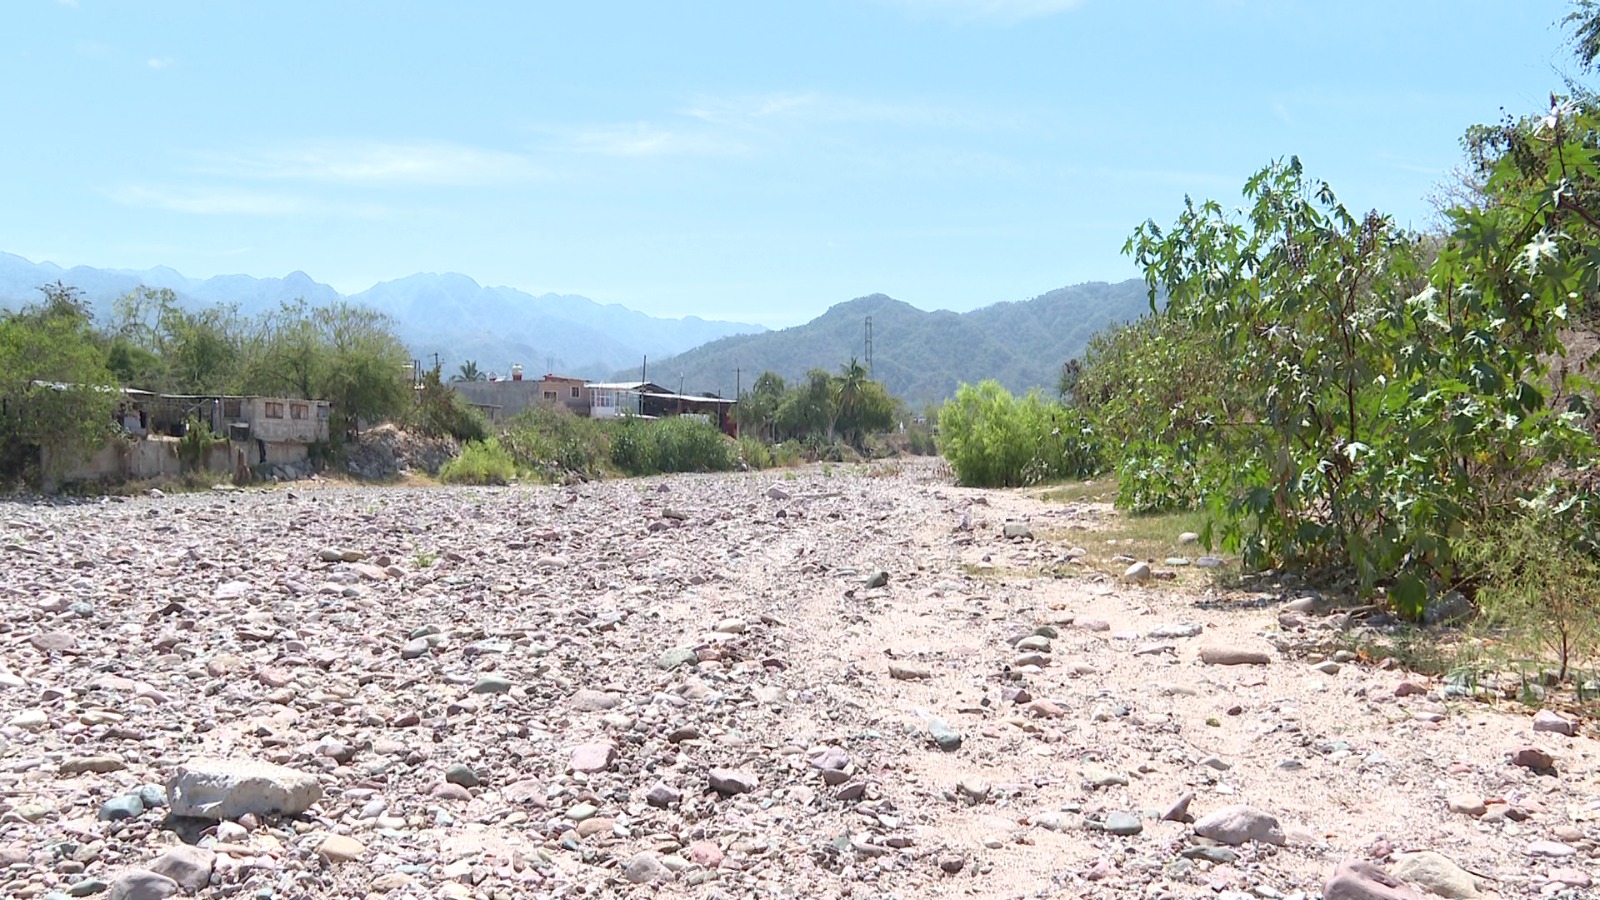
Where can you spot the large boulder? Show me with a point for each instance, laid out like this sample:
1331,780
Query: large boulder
229,788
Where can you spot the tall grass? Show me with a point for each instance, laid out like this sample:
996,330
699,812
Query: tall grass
680,444
480,462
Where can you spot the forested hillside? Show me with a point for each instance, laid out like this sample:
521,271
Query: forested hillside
920,356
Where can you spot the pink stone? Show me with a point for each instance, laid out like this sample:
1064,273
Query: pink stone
1571,877
705,853
593,757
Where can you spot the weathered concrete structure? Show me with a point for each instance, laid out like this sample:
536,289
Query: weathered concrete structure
261,435
505,398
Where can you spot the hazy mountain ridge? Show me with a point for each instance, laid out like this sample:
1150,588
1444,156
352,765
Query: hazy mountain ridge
448,314
921,356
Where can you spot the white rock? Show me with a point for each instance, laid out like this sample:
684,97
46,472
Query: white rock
230,788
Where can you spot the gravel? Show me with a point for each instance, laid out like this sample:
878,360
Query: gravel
812,683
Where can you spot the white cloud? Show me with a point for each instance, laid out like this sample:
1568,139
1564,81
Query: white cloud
158,62
375,163
208,201
739,110
1006,11
639,140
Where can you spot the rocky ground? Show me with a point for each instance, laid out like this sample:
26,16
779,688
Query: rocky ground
826,683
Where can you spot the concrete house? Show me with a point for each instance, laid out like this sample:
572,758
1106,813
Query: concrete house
504,398
265,435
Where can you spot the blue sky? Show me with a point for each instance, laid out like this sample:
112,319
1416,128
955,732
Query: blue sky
757,161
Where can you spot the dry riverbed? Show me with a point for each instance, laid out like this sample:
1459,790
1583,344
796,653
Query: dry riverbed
814,684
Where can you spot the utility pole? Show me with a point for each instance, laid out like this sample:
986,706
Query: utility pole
869,346
436,361
738,395
644,367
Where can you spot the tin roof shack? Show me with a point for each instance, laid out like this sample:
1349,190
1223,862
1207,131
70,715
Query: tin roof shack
610,399
652,401
505,398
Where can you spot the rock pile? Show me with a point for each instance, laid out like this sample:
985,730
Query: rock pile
386,452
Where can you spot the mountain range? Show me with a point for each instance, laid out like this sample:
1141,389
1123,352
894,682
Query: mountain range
920,356
448,314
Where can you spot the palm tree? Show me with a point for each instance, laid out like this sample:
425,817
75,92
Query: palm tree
848,392
469,371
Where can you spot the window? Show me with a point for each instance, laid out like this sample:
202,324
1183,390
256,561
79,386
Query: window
298,410
549,395
274,410
576,392
230,408
322,411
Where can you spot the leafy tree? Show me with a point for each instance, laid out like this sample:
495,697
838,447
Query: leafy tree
861,405
1584,20
158,345
1380,409
55,389
757,411
469,371
286,354
808,408
136,353
201,348
363,375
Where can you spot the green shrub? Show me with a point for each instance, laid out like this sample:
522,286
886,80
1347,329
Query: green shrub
480,462
788,454
1153,477
993,439
755,453
196,443
685,444
678,444
554,440
1534,586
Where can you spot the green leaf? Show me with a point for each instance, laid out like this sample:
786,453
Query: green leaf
1408,596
